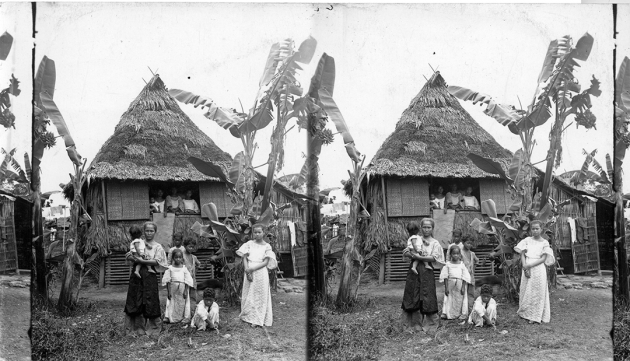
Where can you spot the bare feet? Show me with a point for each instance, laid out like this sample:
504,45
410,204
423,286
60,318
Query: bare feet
137,274
414,270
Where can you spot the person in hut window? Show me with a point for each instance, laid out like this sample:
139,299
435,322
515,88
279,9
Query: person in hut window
173,201
440,198
433,204
453,198
189,205
469,201
157,202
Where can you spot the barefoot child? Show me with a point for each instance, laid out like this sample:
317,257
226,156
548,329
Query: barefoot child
192,263
414,244
207,312
177,280
177,244
137,247
456,241
470,261
258,258
456,280
484,310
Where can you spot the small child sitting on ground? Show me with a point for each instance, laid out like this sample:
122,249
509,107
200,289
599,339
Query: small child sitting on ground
414,244
137,246
484,310
206,313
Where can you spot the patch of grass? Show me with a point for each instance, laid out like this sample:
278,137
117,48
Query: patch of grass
348,332
80,334
621,339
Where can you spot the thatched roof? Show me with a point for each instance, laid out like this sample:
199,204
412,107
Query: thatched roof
153,140
433,137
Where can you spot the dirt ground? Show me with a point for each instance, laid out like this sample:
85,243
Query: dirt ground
285,340
581,320
15,317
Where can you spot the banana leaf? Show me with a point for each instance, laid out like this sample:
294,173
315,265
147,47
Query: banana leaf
52,111
622,86
322,88
549,63
609,168
225,117
210,169
45,78
489,207
583,47
270,66
6,41
515,165
306,50
488,165
504,114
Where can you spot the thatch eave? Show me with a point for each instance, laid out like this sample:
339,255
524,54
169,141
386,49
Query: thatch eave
406,167
128,171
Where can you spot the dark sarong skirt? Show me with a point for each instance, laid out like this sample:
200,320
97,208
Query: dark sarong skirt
142,307
419,303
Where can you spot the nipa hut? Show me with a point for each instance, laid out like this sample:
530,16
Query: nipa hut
15,232
427,150
148,154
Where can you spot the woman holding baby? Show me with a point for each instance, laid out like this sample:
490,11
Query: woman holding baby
420,305
142,307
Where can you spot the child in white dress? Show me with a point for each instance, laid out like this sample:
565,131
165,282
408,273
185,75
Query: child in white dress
178,281
456,279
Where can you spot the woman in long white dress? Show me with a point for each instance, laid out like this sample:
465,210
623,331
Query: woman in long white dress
258,258
536,254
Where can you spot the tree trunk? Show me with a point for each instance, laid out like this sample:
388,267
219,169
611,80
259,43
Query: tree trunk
67,285
65,297
38,246
316,268
621,260
344,295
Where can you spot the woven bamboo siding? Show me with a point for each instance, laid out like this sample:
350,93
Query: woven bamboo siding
407,197
117,271
605,234
8,246
563,232
300,261
586,255
215,192
396,267
495,189
127,201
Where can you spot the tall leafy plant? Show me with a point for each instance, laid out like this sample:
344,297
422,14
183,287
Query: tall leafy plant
46,111
558,95
279,99
622,141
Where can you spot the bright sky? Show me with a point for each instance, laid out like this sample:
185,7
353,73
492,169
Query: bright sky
382,55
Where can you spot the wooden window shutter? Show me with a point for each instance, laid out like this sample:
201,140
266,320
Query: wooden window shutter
127,200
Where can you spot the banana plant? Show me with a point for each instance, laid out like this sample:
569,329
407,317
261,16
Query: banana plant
622,141
46,111
278,91
557,86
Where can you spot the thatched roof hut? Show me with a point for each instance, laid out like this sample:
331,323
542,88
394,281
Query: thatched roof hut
428,149
153,140
433,137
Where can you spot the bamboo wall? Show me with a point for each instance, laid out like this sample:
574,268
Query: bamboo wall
8,244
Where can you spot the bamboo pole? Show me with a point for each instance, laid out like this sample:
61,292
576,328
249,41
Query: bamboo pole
101,276
381,278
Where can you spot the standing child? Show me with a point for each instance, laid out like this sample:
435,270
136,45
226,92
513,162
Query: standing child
137,246
470,261
177,244
484,310
177,280
192,263
256,298
456,280
414,244
455,242
207,312
533,303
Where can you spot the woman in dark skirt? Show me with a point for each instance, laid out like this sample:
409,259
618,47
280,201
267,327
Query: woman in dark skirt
420,306
142,308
